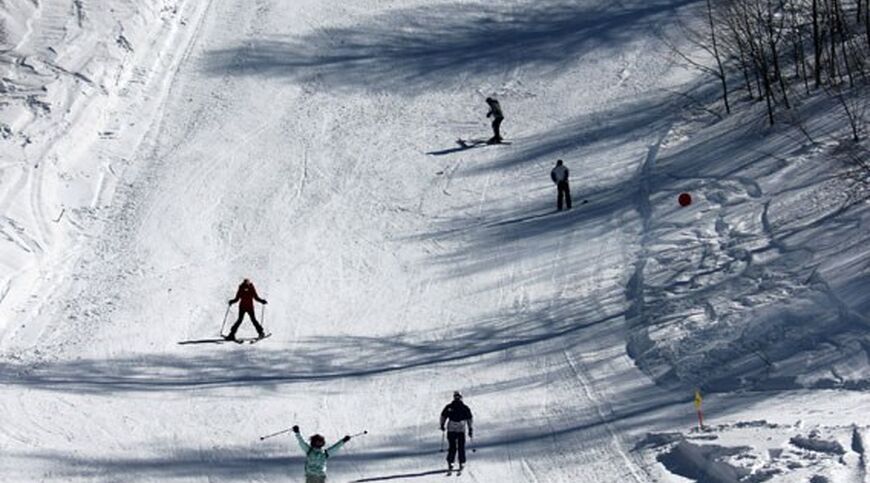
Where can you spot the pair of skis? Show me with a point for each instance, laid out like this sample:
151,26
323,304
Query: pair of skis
473,143
248,340
221,340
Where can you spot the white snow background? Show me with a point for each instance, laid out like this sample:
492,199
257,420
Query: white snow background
154,153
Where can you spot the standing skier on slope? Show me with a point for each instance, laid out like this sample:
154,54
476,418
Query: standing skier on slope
457,416
497,117
559,175
316,456
246,294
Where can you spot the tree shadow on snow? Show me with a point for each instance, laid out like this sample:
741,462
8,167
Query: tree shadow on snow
453,150
532,436
523,337
819,327
411,51
321,359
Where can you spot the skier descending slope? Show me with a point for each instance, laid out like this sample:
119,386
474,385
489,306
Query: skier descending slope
457,416
497,117
246,294
316,456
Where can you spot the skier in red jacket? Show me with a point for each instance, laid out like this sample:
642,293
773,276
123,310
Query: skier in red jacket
246,296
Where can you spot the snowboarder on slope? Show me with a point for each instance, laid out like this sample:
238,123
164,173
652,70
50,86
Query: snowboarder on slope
246,294
559,175
497,117
457,416
316,456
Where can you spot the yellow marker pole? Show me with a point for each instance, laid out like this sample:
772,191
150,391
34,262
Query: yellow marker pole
698,401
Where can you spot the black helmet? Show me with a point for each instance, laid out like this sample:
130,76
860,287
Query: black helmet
317,441
457,396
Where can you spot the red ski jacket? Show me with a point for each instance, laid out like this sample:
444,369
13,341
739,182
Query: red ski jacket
246,294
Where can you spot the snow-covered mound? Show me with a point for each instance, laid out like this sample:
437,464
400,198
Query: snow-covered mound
762,282
762,451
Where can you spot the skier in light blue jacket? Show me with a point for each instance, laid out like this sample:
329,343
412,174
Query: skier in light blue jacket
316,456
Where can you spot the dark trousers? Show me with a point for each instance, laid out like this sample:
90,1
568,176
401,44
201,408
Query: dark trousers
496,128
253,317
456,441
563,194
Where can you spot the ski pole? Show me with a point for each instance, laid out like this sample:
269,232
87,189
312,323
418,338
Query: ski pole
443,435
473,449
224,324
263,316
276,434
361,433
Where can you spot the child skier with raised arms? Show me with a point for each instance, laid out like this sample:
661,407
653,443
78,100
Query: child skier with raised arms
316,456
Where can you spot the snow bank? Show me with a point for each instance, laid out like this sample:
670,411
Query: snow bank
813,442
757,451
702,462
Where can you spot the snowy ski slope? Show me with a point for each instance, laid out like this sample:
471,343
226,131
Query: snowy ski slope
310,146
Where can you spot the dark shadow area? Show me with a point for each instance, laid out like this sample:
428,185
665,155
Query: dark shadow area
466,145
400,476
593,135
580,141
411,51
203,341
323,359
533,437
456,149
776,340
221,340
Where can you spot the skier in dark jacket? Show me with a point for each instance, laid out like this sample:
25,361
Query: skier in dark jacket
497,117
245,295
559,175
457,416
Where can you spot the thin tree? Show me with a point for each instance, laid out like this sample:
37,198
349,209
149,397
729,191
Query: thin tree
817,46
723,77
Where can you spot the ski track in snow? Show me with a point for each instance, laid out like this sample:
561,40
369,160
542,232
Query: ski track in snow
287,143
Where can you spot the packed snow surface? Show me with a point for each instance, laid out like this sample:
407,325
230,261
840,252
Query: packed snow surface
154,153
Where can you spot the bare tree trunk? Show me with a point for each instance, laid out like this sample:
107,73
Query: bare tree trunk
773,33
722,75
762,66
768,97
817,46
745,68
731,22
832,37
867,22
800,67
800,52
758,84
842,30
851,115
